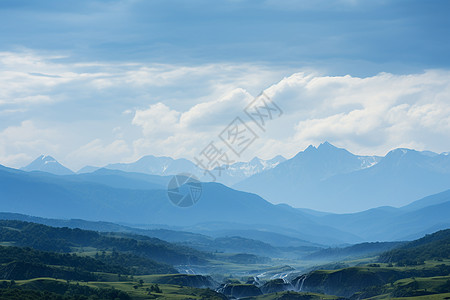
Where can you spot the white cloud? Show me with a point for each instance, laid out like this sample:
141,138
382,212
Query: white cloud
98,153
158,120
366,115
89,100
373,114
27,78
23,143
216,112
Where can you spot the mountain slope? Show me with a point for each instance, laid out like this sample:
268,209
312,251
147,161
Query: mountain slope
45,163
412,221
430,247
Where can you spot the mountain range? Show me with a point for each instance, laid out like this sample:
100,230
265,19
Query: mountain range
165,166
323,178
141,200
135,198
326,196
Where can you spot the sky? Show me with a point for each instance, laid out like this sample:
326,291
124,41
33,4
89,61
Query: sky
98,82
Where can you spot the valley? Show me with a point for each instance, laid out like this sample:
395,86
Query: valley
60,262
232,244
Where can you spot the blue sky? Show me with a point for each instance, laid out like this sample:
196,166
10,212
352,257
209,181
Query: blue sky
80,80
364,37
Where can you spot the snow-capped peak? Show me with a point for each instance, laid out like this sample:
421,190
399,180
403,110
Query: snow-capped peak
48,159
46,163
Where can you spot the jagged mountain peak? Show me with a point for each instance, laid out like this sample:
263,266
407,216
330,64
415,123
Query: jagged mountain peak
310,148
326,145
323,151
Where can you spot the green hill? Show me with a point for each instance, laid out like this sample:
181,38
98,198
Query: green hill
25,263
434,246
46,238
427,258
358,250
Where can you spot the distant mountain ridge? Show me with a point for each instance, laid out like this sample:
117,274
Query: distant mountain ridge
165,166
421,217
154,165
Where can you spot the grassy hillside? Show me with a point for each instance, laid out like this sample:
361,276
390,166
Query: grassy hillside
52,289
49,289
415,269
348,281
67,240
358,250
43,262
289,295
27,259
437,287
435,246
80,264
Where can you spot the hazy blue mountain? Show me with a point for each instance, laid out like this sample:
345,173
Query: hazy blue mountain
136,198
61,197
87,169
272,238
45,163
332,179
402,176
428,201
154,165
358,250
163,166
238,171
312,211
249,241
121,179
424,216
